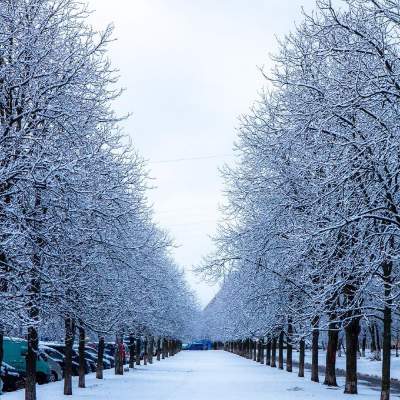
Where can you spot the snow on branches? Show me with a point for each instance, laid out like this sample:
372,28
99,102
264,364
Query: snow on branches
310,241
77,239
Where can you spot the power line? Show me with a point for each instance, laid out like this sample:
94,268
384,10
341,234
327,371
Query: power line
192,159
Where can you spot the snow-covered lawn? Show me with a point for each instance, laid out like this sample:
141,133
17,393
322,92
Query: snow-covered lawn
364,364
200,375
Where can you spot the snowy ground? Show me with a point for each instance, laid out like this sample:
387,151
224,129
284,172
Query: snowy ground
201,375
364,364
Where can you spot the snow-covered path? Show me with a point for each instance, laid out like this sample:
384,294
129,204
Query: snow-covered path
200,375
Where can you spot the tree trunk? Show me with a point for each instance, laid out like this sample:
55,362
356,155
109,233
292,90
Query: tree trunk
162,349
280,352
82,362
301,358
364,345
1,346
138,350
119,362
289,348
273,353
31,357
314,350
261,351
352,331
146,354
166,348
33,339
4,268
378,340
158,348
69,342
387,331
268,355
151,350
330,365
372,333
131,351
100,356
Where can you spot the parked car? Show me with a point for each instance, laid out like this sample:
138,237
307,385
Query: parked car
58,357
109,349
15,351
75,357
106,358
90,358
56,369
196,346
110,359
12,380
108,354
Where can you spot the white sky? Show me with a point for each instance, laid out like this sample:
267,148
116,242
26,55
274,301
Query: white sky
190,68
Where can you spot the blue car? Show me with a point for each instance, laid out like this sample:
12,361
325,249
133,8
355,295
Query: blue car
199,345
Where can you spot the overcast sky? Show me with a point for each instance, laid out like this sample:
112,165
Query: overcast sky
190,68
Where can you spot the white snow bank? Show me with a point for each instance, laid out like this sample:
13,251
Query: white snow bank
364,364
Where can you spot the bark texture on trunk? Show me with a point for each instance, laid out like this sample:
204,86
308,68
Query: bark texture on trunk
151,350
69,342
268,355
280,352
30,381
387,331
289,349
372,333
1,346
82,362
146,349
378,340
138,350
301,358
314,350
273,353
33,338
131,351
119,362
330,364
261,351
100,356
167,348
158,349
364,345
352,331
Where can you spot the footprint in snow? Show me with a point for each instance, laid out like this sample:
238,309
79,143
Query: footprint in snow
294,389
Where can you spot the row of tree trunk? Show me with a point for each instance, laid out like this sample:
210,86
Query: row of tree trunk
271,352
139,349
